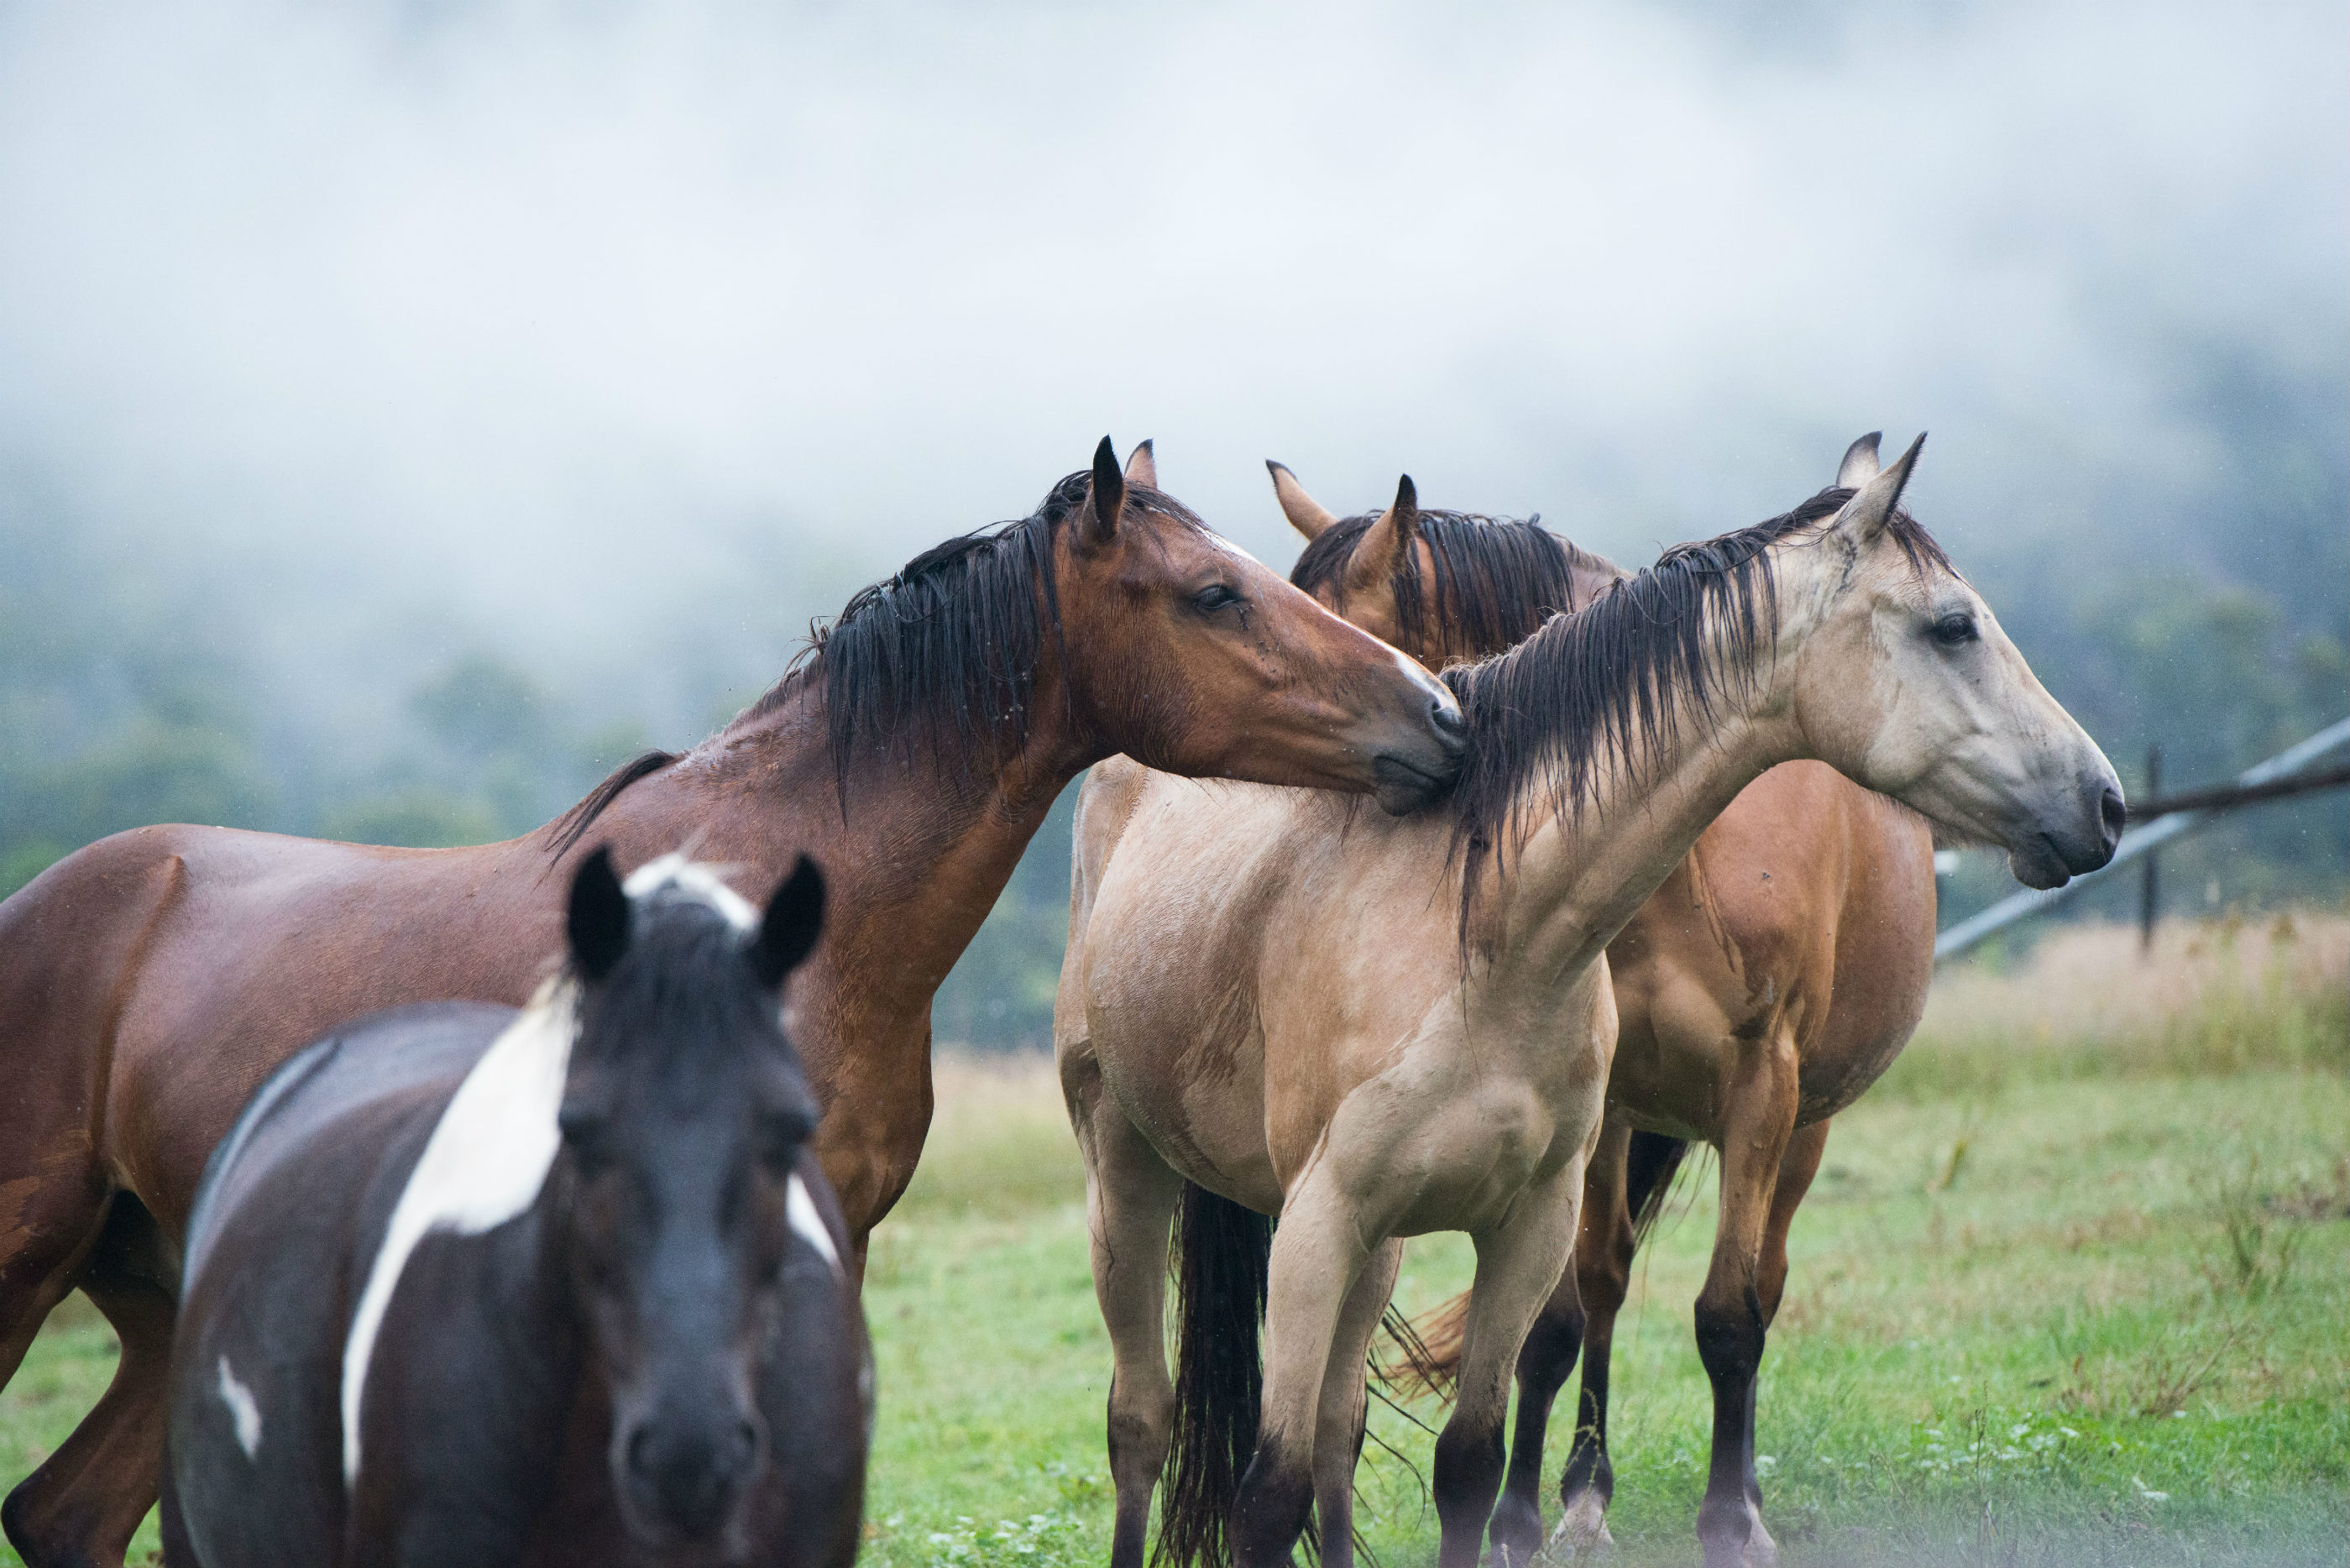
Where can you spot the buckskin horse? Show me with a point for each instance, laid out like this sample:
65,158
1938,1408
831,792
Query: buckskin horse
155,978
1770,980
1376,1028
558,1285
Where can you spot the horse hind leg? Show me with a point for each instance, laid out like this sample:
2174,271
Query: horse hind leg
1339,1426
1629,1171
1130,1198
80,1508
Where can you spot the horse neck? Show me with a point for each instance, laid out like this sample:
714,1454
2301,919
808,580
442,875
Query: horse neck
914,855
1584,873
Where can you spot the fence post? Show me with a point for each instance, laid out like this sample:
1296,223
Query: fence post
2149,894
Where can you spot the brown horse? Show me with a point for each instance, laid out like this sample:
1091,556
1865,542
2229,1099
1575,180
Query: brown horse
1775,975
153,979
1375,1028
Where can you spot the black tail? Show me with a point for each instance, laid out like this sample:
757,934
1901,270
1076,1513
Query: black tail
1219,1257
1649,1167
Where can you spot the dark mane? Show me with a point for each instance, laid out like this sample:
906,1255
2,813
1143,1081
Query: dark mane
1617,678
1497,579
943,655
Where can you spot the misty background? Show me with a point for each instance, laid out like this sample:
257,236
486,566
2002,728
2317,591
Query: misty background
406,410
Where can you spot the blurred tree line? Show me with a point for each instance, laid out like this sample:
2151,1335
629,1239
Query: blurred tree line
133,691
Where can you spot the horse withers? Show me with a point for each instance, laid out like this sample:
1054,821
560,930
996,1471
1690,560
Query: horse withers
472,1285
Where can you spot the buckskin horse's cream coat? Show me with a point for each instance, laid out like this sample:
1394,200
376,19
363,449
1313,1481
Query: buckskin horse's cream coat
1264,993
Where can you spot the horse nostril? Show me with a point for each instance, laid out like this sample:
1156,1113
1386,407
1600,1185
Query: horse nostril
1448,719
2115,814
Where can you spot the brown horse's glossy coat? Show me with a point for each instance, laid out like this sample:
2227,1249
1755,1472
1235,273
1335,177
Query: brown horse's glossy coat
1769,981
153,979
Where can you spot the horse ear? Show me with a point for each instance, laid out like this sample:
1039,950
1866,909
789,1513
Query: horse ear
1860,465
1141,468
1865,516
1380,552
598,920
1306,514
788,930
1109,496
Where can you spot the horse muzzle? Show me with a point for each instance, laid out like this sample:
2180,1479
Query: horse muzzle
684,1478
1409,777
2074,841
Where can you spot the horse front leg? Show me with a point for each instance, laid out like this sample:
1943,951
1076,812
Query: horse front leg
1518,1268
1319,1253
1731,1318
1338,1429
1543,1362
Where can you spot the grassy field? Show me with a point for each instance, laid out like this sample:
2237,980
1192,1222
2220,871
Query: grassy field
2073,1287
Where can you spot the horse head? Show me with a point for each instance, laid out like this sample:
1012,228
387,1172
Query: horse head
1192,656
1441,585
685,1119
1905,680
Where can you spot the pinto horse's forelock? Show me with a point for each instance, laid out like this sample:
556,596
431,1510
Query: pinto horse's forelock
1614,679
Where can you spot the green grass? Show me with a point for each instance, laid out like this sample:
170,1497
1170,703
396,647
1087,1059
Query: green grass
2042,1310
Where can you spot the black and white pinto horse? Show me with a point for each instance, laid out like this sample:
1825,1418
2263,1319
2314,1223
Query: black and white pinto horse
467,1285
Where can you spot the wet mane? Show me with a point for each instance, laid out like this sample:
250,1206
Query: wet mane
1497,579
943,653
1617,680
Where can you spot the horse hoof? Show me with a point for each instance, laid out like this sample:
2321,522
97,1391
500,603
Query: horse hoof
1762,1551
1583,1528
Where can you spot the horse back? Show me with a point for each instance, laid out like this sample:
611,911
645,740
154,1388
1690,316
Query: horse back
163,973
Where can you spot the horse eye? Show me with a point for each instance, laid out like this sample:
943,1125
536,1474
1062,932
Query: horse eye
1213,597
1954,628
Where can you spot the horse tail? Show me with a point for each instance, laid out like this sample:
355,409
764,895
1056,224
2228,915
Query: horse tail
1220,1261
1429,1347
1650,1164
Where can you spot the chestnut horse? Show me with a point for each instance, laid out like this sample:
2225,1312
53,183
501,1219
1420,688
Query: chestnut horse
1772,979
1376,1028
561,1285
154,978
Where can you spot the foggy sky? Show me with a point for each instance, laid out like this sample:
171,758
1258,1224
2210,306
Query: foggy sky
608,327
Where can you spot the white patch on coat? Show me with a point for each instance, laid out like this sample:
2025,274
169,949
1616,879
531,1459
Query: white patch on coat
244,1411
699,881
485,1164
801,1210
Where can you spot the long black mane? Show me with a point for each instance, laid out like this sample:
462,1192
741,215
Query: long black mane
940,654
1497,580
1617,680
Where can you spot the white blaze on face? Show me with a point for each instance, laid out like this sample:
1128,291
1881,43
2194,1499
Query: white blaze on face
244,1410
485,1164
